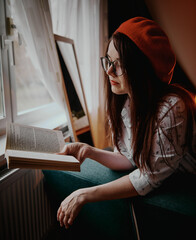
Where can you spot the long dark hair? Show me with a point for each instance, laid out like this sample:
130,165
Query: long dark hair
147,92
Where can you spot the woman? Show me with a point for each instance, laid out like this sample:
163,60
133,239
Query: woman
152,122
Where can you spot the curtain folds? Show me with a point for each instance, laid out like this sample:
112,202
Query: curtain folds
33,21
86,23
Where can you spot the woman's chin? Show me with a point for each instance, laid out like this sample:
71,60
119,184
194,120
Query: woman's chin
117,90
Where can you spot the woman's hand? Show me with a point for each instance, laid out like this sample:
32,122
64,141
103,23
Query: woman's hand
78,150
71,205
70,208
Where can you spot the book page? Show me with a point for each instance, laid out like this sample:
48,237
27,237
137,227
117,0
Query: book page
34,139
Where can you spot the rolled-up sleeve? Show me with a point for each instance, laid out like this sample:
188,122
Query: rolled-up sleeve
140,182
167,148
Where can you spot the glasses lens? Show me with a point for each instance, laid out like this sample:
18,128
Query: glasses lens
118,69
105,63
116,66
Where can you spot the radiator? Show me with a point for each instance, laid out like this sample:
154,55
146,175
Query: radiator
25,211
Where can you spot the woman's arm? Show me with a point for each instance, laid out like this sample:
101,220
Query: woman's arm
70,207
114,161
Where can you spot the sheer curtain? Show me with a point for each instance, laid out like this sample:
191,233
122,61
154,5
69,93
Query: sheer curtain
33,21
86,23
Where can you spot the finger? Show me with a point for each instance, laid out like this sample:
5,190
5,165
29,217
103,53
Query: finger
65,221
74,213
61,217
64,151
58,212
70,220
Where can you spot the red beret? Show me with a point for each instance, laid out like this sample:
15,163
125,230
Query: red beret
153,42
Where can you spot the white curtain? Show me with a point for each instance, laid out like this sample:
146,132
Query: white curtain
33,21
86,23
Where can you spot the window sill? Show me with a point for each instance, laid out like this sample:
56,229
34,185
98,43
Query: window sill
51,123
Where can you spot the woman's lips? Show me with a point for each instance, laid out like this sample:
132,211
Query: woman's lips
113,82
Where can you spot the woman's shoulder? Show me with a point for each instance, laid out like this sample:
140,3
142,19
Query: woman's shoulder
171,104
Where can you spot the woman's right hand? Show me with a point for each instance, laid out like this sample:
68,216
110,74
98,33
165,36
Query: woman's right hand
78,150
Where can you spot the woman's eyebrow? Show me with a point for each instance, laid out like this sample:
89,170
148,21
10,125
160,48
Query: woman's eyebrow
108,56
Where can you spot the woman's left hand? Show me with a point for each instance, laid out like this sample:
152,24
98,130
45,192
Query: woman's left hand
70,207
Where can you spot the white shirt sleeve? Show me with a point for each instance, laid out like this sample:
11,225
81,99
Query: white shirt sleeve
123,151
167,147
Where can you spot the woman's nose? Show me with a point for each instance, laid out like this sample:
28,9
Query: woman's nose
110,71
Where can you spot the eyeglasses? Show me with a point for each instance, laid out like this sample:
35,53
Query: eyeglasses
106,63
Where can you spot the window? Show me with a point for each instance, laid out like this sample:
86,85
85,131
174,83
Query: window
29,89
24,97
30,98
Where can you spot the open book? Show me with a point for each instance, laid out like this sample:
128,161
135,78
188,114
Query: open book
33,147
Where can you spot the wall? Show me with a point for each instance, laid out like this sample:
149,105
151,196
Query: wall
178,19
119,12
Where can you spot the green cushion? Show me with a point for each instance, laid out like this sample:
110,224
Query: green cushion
170,211
113,219
178,194
107,219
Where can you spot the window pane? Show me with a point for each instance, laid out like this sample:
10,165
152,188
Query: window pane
2,114
30,91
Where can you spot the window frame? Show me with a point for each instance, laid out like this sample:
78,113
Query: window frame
5,70
32,116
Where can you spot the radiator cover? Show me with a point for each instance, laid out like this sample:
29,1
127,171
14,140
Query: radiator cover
25,210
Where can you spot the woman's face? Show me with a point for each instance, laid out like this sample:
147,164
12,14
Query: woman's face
119,84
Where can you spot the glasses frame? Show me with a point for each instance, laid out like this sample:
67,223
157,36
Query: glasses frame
113,66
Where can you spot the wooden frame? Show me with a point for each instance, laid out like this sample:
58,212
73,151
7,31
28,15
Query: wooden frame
71,42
